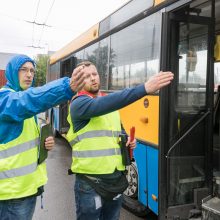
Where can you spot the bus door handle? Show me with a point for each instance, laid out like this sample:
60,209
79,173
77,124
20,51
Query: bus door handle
145,120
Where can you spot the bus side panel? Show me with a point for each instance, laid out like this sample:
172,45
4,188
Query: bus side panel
140,155
152,179
146,158
144,115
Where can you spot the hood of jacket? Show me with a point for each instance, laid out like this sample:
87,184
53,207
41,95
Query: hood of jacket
12,69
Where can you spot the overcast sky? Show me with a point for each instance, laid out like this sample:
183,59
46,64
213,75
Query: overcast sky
64,19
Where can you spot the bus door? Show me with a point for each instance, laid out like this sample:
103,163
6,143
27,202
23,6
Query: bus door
67,68
185,171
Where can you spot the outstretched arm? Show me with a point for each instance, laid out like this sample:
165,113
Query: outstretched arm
17,106
84,107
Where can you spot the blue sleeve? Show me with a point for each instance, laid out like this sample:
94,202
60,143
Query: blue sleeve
17,106
84,107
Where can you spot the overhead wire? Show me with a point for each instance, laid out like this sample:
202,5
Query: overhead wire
11,16
45,22
38,3
36,23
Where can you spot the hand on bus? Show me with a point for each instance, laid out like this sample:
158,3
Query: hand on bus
49,143
77,79
158,81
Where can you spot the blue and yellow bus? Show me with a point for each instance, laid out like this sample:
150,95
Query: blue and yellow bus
176,167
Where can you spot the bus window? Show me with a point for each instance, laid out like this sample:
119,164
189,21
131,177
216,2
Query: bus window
91,53
135,53
192,68
125,13
54,72
80,56
66,68
98,54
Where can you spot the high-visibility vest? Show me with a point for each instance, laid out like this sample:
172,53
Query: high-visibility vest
20,175
95,148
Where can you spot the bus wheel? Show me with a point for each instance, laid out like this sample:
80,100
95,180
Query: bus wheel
130,195
132,177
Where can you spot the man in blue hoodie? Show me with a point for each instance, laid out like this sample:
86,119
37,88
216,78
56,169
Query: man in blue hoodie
21,177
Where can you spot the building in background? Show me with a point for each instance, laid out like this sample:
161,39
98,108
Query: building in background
2,78
4,58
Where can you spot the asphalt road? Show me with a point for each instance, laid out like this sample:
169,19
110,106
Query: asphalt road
58,198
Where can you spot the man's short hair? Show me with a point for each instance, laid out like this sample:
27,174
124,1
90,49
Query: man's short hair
85,63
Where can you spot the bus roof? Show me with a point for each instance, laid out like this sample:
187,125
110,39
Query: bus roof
88,36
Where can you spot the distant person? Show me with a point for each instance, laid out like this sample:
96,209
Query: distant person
94,136
21,177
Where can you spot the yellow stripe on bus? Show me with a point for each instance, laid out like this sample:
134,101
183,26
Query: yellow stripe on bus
157,2
77,43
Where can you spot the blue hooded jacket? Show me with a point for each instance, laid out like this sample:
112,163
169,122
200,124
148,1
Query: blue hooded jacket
12,69
17,106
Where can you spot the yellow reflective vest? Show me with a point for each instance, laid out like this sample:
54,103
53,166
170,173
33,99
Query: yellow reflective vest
95,148
20,175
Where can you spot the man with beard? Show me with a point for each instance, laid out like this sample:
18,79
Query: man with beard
94,136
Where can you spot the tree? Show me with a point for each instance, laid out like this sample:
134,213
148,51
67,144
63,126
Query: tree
41,69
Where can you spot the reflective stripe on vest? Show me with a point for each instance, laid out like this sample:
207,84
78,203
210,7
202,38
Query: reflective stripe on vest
21,171
20,175
19,148
93,134
97,153
95,147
